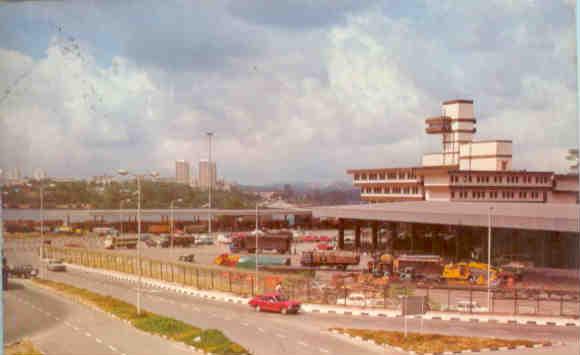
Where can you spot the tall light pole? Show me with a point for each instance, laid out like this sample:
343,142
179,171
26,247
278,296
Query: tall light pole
209,136
257,236
42,219
171,229
489,258
139,270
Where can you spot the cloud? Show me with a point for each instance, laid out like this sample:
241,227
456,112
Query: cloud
290,97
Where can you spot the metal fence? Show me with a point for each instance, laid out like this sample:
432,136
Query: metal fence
461,299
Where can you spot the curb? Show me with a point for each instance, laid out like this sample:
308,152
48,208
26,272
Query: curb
313,308
410,352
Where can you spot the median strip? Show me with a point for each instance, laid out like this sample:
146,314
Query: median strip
208,340
419,343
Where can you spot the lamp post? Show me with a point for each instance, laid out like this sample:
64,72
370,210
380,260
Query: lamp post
256,251
171,222
489,258
42,219
139,270
121,215
210,175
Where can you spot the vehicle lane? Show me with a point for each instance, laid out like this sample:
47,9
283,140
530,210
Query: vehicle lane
59,326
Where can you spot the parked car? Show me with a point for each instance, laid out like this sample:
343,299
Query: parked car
324,246
55,265
204,240
187,258
359,300
274,302
224,239
23,271
467,307
324,238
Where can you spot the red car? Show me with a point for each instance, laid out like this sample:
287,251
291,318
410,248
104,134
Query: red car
323,246
324,238
274,302
310,238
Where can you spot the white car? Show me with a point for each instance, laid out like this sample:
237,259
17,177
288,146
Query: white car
55,265
466,307
359,300
224,239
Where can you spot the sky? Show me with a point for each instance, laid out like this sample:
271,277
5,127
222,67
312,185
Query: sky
294,91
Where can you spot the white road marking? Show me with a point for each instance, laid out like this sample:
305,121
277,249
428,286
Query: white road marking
76,328
245,324
281,336
112,348
67,324
302,343
261,330
99,340
324,350
88,334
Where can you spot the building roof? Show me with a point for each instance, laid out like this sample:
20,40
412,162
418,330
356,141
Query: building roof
416,168
459,101
531,216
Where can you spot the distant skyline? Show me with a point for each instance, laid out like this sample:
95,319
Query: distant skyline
294,91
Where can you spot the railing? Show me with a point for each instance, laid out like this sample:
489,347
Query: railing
509,301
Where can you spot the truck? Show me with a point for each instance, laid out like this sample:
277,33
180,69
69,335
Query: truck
113,242
185,241
475,273
280,242
338,259
158,228
103,231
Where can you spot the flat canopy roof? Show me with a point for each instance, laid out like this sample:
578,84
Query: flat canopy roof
531,216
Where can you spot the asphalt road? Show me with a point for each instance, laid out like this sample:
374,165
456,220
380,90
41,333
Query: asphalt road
58,326
265,333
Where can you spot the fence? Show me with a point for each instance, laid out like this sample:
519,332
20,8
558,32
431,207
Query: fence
368,295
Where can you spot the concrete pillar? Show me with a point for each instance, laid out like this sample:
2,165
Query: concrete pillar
395,235
375,235
340,243
413,229
357,235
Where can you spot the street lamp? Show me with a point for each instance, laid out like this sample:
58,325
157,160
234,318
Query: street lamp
489,257
171,229
209,136
138,178
42,219
121,215
256,251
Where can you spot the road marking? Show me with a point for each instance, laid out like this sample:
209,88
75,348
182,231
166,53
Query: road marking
67,324
281,336
245,324
76,328
99,340
324,350
302,343
261,330
112,348
88,334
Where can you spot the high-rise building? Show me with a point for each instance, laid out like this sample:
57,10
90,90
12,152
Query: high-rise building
182,172
39,174
206,174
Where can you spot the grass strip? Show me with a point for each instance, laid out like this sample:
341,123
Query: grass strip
433,343
209,340
21,347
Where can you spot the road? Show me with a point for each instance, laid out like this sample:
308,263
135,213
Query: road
58,326
265,333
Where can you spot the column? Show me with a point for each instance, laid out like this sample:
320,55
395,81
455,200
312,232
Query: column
375,235
340,243
357,235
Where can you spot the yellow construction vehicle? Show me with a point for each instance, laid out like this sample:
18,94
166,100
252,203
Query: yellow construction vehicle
469,273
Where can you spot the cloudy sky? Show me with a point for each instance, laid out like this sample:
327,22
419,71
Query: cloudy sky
294,91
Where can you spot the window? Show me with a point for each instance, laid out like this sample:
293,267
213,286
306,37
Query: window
406,190
452,194
503,165
364,176
469,178
356,176
382,176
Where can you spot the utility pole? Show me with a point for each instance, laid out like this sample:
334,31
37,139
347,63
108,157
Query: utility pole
489,258
209,135
256,252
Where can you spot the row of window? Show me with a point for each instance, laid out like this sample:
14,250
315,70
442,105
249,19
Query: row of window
506,195
386,176
510,179
392,190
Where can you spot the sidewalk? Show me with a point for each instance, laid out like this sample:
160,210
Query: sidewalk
351,311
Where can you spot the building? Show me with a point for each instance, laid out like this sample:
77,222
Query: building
207,174
456,198
182,172
464,169
39,174
102,180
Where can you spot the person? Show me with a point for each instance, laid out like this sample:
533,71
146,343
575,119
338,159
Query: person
279,288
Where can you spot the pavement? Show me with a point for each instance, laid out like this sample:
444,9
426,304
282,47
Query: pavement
265,333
